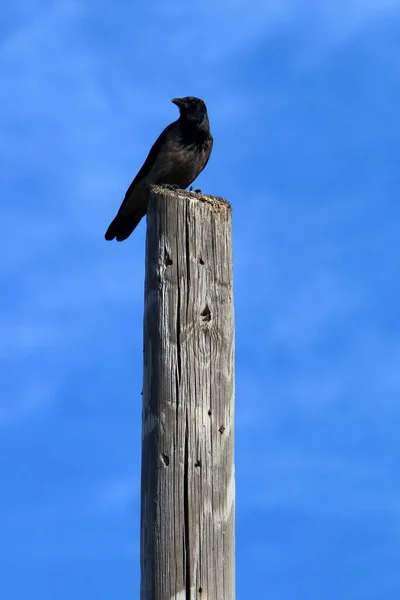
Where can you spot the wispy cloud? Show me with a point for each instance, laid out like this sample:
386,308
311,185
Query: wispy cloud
118,495
27,401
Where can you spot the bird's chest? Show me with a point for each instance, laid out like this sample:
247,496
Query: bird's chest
186,162
193,153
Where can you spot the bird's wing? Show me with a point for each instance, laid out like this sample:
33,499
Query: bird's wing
149,164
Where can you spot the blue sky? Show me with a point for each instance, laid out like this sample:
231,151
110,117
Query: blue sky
304,104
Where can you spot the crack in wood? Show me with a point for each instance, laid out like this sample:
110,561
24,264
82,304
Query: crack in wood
186,509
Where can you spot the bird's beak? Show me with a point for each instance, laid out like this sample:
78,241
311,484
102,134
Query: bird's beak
179,102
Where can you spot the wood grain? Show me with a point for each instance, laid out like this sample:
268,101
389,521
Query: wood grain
188,482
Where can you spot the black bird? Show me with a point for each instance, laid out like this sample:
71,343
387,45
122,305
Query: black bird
177,157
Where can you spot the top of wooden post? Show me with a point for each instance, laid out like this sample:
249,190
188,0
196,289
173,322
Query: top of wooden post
216,202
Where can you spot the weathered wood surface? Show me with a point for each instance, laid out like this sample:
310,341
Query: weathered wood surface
188,482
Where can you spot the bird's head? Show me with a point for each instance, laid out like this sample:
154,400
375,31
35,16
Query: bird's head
191,108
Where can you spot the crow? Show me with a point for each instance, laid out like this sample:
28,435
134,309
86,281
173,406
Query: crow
177,157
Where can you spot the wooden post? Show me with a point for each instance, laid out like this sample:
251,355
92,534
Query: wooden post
188,482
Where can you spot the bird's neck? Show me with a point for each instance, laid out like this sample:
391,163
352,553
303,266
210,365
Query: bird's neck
195,128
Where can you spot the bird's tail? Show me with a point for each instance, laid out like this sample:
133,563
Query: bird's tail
123,225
